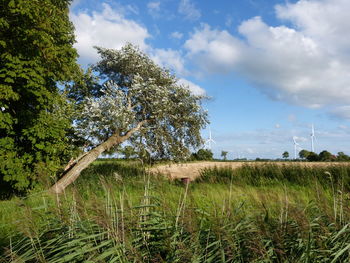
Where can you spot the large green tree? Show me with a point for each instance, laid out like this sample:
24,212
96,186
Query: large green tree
135,100
36,55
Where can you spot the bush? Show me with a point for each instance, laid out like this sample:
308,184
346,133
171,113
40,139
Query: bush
202,155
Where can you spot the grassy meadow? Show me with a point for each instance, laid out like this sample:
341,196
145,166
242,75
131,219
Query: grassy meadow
117,212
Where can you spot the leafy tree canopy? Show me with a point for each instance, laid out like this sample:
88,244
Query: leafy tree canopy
326,156
313,157
135,90
342,157
304,154
134,99
36,41
203,155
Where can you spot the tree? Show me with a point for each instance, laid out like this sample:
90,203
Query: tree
326,156
203,155
36,41
137,101
224,155
304,154
312,157
285,155
342,157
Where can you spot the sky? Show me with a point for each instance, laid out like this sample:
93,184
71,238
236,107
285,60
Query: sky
271,68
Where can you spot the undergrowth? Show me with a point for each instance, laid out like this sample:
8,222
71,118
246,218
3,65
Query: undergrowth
119,213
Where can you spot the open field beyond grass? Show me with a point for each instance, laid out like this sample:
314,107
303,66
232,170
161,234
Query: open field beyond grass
119,212
193,169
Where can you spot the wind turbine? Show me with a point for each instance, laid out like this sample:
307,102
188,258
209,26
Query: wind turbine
295,147
210,140
312,138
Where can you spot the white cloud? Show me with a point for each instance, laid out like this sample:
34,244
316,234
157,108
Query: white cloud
176,35
195,89
188,9
326,21
213,50
109,29
306,64
170,59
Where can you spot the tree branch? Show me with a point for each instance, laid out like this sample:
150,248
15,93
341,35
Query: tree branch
128,134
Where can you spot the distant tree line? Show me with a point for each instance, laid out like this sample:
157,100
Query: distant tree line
324,156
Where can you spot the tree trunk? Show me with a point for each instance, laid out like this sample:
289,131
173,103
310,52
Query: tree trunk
74,172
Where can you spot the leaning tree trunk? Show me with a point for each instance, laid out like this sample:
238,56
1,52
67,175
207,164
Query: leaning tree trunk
73,173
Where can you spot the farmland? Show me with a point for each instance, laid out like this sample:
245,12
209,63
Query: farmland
193,170
117,211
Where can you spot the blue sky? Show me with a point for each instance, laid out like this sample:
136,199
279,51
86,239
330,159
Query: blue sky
272,68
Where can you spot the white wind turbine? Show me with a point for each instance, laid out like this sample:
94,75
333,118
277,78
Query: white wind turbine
312,138
296,145
210,140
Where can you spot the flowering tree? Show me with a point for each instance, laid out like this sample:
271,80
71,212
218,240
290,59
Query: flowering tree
137,101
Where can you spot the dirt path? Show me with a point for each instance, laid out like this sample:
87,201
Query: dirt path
192,170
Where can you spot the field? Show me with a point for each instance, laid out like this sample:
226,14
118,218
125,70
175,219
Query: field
193,170
120,212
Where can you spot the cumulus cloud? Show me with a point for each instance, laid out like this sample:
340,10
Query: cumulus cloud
108,28
214,50
306,63
326,21
194,88
189,10
169,58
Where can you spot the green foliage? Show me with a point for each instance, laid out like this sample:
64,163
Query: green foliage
36,41
285,155
271,174
303,154
342,157
130,90
202,155
313,157
326,156
148,219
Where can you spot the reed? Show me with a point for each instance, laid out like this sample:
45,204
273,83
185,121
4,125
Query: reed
119,213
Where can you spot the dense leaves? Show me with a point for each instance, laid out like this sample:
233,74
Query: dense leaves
36,53
131,99
202,155
133,89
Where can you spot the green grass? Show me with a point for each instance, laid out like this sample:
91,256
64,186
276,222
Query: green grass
116,212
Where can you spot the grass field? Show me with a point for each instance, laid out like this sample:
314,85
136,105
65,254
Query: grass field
118,212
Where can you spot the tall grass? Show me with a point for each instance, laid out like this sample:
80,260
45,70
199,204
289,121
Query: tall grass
119,213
